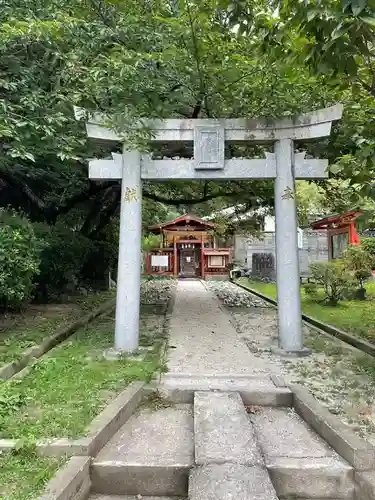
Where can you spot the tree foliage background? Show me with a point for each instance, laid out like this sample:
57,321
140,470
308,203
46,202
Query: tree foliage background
137,59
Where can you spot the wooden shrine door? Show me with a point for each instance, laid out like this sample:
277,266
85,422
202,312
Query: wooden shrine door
188,267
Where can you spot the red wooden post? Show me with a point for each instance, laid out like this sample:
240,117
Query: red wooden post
148,263
353,235
202,256
174,256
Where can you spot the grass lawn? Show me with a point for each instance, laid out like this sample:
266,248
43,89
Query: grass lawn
353,316
23,477
66,388
19,332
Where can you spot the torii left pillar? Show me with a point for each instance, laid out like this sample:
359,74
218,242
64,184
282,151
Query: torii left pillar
129,257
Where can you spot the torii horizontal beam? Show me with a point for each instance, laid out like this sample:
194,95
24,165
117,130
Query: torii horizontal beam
184,169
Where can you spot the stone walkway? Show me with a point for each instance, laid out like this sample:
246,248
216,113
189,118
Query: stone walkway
203,341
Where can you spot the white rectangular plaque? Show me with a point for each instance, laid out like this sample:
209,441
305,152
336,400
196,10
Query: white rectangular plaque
159,261
209,147
216,261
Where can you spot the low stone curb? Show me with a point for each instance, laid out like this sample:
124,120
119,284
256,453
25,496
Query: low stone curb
356,451
114,416
9,370
101,429
71,482
356,342
164,345
167,319
255,292
359,453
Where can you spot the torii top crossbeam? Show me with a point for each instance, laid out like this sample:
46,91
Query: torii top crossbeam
304,127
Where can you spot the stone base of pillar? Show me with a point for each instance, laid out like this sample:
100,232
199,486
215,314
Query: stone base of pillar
113,354
301,353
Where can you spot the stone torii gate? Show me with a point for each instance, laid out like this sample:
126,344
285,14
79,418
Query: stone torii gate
209,137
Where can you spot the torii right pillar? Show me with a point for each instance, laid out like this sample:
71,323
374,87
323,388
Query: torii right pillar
287,164
287,253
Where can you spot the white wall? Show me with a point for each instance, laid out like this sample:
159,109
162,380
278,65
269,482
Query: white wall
315,247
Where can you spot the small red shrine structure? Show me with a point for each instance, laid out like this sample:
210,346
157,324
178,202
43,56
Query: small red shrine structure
188,249
341,231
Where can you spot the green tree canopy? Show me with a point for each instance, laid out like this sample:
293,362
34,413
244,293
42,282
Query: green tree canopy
139,59
335,40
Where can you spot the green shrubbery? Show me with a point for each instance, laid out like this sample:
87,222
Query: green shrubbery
151,241
45,262
19,260
369,245
358,261
100,258
341,278
333,278
69,260
63,254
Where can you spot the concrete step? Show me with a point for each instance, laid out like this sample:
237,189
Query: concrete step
151,455
230,482
254,391
222,430
300,463
228,461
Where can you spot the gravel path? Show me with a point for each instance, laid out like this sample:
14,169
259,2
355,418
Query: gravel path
233,296
157,291
335,373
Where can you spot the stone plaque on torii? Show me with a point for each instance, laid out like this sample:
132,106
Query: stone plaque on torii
209,137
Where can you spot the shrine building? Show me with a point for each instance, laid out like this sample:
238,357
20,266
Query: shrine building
188,249
341,232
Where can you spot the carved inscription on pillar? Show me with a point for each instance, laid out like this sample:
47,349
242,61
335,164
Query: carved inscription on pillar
209,147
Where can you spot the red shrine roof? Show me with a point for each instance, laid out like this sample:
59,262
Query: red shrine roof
337,220
184,220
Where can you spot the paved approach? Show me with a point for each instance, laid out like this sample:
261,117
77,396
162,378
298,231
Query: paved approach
203,341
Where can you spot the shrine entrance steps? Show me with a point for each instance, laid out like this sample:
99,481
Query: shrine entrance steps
215,447
221,427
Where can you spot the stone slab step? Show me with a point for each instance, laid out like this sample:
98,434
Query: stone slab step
254,391
282,433
230,482
312,478
222,430
150,455
299,461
